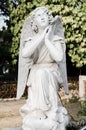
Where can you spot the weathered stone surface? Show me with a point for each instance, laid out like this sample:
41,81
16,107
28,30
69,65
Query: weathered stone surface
42,67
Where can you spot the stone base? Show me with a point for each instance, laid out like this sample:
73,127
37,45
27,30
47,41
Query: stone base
17,128
30,123
39,124
51,120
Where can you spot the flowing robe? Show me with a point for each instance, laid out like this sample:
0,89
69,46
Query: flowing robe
44,80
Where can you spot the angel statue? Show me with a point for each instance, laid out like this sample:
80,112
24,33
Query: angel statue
42,67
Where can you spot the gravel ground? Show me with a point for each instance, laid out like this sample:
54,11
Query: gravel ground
9,113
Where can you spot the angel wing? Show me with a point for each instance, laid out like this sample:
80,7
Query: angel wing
62,65
24,64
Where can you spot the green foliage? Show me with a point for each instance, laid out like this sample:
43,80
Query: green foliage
73,99
5,47
73,15
76,35
83,108
4,7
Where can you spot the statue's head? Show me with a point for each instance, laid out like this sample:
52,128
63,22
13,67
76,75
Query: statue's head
40,18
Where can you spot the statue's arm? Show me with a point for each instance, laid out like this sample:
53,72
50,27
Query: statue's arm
30,47
55,50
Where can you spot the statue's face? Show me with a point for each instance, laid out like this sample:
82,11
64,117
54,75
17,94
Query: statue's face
41,19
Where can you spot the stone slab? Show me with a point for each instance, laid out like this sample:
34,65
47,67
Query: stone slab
17,128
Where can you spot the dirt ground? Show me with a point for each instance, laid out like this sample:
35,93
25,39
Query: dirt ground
9,113
11,118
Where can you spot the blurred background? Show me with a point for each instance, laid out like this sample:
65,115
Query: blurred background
12,16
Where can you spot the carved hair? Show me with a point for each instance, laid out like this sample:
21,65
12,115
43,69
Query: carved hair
32,14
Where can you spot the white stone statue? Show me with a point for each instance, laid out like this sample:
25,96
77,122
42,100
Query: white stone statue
42,67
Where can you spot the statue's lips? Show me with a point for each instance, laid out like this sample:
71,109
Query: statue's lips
43,20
